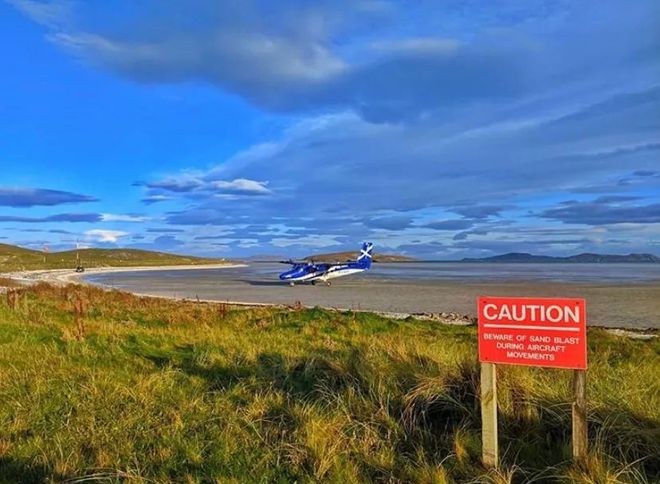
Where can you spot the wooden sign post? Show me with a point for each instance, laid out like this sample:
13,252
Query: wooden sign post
532,332
579,414
489,450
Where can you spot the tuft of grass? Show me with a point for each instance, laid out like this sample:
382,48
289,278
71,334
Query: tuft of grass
98,385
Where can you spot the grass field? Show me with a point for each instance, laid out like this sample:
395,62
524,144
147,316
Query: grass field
14,258
106,386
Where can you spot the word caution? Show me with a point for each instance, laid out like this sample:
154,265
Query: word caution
534,332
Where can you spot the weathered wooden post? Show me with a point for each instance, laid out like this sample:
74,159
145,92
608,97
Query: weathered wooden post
579,414
490,450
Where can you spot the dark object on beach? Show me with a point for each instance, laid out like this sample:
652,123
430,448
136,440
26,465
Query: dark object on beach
80,269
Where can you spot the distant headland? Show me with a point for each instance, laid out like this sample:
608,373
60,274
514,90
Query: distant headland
578,258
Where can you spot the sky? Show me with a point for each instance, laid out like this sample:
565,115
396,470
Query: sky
436,129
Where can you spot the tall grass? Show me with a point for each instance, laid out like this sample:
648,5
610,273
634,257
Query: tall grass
108,386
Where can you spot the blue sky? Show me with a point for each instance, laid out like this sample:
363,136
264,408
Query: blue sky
437,129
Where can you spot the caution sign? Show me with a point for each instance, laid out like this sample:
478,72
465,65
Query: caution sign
533,332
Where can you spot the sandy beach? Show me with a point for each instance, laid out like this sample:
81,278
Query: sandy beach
67,276
626,305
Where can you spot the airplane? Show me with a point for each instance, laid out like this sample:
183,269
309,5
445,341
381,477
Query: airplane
310,271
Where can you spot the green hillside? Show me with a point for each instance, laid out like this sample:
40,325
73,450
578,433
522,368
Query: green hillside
14,258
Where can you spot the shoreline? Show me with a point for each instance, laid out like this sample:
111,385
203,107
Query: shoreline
67,276
449,318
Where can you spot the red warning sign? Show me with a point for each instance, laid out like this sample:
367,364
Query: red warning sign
533,332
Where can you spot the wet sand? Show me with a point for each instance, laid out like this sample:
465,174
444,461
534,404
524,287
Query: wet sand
629,305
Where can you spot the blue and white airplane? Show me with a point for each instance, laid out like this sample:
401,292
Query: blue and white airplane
314,272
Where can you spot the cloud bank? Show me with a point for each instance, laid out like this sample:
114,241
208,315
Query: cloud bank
32,197
425,127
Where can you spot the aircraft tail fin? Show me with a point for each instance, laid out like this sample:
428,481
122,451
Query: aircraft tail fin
366,255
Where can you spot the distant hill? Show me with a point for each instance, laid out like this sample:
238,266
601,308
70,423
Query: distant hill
579,258
14,258
345,256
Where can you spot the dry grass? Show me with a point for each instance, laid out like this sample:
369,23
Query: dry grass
6,282
108,386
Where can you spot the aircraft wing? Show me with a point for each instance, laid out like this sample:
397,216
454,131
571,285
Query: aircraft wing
313,262
294,262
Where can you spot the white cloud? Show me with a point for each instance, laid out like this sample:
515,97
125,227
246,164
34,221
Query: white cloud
242,186
52,13
106,235
114,217
156,198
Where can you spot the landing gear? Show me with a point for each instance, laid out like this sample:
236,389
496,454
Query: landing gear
328,283
291,284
